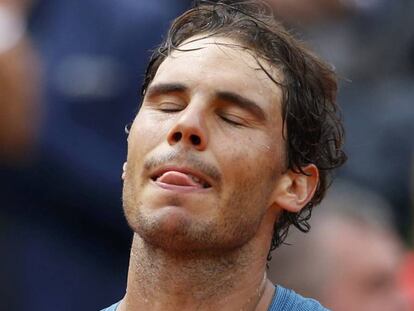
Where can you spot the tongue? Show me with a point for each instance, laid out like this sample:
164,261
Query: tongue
178,179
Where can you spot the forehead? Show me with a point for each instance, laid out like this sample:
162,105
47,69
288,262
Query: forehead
218,63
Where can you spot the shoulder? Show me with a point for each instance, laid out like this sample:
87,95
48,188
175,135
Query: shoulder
111,308
287,299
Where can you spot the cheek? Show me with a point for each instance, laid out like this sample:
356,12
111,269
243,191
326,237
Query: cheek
259,162
145,134
250,175
257,150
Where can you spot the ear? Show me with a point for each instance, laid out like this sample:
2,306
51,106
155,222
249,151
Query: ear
124,170
294,190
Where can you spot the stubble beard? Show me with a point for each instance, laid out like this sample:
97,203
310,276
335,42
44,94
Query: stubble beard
189,236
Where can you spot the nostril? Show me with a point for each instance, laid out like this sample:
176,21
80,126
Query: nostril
195,140
177,136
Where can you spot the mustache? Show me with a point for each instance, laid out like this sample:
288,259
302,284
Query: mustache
181,158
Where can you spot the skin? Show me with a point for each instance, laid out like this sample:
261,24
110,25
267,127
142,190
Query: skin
205,248
364,282
19,100
351,264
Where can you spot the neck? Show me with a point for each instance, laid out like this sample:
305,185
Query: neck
163,280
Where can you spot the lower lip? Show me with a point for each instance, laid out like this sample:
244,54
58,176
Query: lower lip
181,189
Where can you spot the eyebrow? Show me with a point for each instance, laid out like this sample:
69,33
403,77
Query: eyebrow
166,88
226,96
242,102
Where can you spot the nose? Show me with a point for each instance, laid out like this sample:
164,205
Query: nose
189,129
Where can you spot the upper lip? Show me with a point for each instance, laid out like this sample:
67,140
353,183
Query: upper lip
206,181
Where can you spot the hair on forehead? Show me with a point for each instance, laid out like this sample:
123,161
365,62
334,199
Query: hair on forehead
312,126
264,65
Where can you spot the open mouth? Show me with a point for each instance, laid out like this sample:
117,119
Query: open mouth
181,179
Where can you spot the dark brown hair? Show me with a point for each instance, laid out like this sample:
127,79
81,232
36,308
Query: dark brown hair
312,128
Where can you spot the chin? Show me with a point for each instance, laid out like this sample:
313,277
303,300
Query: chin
175,231
176,225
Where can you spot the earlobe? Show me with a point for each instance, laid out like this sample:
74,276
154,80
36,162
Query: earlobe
294,190
124,171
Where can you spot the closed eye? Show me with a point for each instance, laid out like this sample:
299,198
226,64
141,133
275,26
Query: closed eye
170,107
233,120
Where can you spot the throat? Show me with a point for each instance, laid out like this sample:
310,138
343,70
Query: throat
158,278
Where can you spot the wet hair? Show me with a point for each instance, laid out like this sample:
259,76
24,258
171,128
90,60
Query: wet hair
312,127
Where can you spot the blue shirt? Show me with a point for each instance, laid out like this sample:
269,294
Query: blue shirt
283,300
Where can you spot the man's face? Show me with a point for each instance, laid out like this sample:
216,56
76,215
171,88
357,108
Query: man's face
205,151
366,273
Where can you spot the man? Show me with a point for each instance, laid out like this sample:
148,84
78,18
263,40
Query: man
232,144
86,86
352,258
